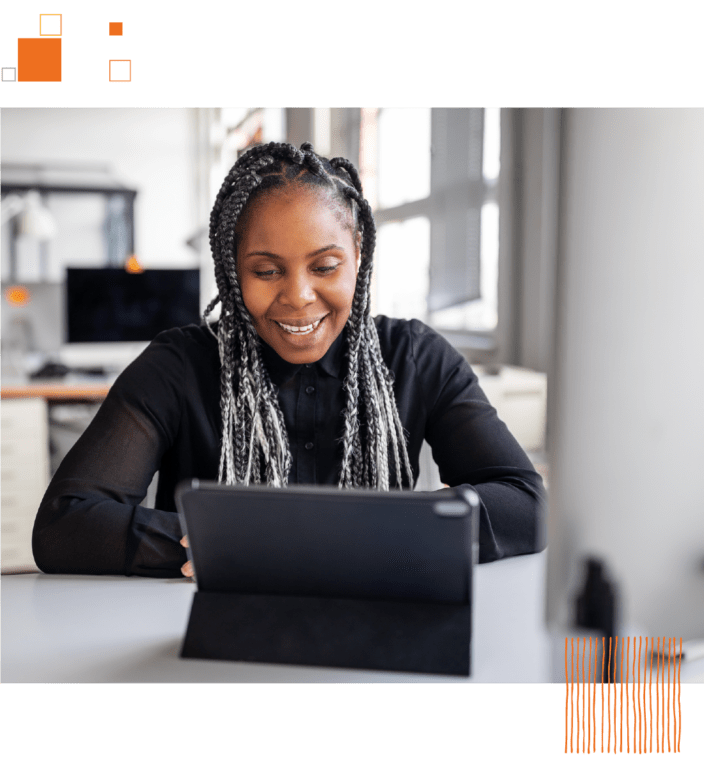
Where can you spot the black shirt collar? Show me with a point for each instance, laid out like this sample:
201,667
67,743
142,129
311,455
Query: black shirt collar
281,370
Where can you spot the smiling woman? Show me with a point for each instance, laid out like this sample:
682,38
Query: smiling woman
296,383
297,262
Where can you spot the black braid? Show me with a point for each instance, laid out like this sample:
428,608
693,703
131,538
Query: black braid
254,444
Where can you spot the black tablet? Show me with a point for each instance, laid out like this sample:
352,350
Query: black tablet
315,575
326,542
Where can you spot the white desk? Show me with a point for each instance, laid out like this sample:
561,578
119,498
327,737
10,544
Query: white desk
118,629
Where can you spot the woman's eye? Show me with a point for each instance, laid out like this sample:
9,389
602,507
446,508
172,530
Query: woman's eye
265,272
325,270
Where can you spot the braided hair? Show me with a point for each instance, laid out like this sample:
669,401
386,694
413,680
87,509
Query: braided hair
254,447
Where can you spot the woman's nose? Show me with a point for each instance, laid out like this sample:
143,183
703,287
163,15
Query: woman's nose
298,291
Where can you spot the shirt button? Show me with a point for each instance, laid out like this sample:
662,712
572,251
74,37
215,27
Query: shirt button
309,446
310,390
308,365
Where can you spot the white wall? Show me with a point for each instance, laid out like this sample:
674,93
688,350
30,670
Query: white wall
150,150
627,411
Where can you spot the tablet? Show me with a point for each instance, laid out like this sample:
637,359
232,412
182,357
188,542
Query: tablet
326,542
317,576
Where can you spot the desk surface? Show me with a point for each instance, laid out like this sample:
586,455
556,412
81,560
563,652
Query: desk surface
58,390
118,629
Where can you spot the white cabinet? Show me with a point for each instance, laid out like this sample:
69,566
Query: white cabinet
25,475
520,398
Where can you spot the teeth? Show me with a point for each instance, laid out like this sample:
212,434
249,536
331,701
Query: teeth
300,330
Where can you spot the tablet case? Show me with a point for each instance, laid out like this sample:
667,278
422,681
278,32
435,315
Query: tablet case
334,593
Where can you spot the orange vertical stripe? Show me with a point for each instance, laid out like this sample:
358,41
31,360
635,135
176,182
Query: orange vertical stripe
645,699
673,688
679,699
571,693
635,702
650,693
640,703
596,655
614,716
669,656
584,648
662,697
621,702
577,694
629,690
603,645
615,689
628,713
589,698
657,699
567,694
608,696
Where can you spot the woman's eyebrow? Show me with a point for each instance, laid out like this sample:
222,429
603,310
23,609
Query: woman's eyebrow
270,255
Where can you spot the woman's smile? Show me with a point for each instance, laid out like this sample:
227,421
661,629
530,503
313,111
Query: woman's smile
300,329
297,265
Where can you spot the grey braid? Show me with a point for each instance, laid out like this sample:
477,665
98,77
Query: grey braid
254,446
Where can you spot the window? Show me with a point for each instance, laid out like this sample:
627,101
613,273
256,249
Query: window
432,177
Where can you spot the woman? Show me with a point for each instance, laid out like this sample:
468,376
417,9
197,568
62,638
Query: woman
296,383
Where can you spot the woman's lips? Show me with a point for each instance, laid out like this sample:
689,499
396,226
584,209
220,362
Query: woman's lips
298,329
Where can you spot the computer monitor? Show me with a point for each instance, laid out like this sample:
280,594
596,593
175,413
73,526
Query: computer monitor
110,304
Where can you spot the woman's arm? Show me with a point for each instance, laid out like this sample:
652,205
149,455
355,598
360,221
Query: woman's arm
91,519
472,446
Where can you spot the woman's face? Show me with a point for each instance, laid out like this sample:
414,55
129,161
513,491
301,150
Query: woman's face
297,261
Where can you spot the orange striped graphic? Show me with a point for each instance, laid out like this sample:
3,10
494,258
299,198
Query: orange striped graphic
630,695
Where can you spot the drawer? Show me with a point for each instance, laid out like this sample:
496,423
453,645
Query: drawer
15,556
21,451
26,415
14,527
16,498
16,543
21,407
17,510
28,474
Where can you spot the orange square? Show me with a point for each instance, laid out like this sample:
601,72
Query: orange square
51,34
126,61
39,59
115,27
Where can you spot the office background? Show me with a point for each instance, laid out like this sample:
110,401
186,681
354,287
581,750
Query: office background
559,250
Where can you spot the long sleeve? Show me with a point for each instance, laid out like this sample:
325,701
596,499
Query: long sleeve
439,398
472,446
163,414
91,519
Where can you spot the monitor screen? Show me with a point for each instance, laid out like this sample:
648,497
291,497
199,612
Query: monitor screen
111,304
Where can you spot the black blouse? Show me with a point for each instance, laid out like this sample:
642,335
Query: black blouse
163,414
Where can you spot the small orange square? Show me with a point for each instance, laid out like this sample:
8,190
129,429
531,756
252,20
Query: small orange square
51,34
115,27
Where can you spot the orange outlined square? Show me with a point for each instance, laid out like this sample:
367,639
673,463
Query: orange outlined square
38,60
52,34
50,24
116,28
110,63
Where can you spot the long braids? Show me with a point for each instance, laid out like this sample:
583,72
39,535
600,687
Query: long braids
254,445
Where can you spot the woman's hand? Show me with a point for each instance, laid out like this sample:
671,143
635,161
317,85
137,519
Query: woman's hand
186,568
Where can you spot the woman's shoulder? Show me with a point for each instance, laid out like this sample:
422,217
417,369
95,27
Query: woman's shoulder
187,341
397,327
169,356
413,335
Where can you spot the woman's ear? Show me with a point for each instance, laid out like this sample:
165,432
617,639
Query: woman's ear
358,248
